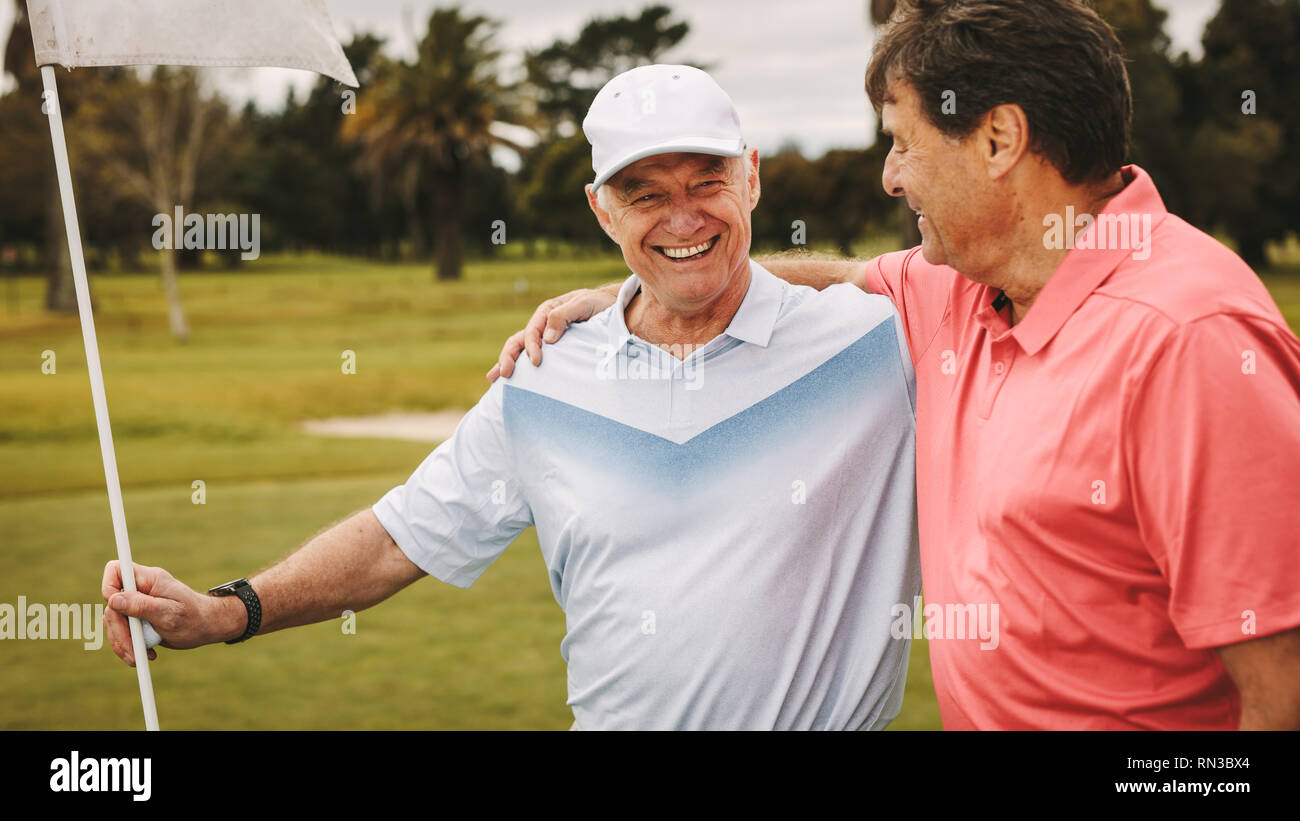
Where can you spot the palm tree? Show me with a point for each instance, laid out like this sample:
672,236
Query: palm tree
880,11
423,124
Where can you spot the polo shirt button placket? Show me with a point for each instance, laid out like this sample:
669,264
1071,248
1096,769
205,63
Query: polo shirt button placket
679,398
1002,354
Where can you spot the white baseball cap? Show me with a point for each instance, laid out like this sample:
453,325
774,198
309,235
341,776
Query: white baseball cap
658,110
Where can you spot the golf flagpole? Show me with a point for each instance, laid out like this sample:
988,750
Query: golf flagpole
294,34
55,113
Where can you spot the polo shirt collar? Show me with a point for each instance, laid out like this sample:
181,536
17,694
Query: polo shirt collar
754,319
1083,270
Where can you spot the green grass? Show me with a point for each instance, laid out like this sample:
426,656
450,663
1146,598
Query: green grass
266,352
435,656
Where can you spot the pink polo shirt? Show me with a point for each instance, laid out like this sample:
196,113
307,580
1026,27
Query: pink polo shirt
1110,488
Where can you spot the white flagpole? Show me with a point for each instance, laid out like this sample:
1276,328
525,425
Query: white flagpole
55,113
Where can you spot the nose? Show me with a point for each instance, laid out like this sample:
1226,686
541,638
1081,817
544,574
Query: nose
890,178
684,220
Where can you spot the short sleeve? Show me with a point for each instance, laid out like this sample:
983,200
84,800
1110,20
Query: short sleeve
463,506
920,291
1212,440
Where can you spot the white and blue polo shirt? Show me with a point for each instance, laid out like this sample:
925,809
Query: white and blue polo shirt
727,534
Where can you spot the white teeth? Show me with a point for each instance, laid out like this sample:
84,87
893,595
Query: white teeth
683,253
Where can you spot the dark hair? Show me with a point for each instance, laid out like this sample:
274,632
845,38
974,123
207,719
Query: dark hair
1056,59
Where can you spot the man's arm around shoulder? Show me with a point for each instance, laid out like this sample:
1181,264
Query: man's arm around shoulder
819,271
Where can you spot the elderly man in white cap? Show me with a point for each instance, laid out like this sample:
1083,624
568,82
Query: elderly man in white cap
719,467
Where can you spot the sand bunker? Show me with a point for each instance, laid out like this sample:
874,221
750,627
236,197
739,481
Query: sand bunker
414,427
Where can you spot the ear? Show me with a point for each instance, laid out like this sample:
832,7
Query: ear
751,173
1003,138
602,216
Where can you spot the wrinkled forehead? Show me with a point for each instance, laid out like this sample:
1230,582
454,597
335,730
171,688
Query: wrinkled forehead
662,167
899,104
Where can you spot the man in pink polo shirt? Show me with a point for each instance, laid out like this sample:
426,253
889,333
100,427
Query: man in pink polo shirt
1116,471
1108,408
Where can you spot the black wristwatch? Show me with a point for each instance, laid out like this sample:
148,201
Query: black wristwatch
242,589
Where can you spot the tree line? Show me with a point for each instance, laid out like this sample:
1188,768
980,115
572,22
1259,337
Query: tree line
403,168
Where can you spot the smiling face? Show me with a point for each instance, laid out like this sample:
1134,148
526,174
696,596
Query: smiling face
683,223
942,178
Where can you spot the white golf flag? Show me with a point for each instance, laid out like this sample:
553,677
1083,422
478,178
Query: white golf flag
284,33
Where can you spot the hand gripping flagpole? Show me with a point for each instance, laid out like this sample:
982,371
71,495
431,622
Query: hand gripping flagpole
55,113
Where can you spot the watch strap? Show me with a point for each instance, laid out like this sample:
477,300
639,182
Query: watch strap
252,604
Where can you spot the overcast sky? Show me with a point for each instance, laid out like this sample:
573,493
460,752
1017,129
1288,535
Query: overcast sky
794,69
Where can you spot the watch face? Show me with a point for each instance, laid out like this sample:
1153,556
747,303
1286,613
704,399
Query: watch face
227,588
